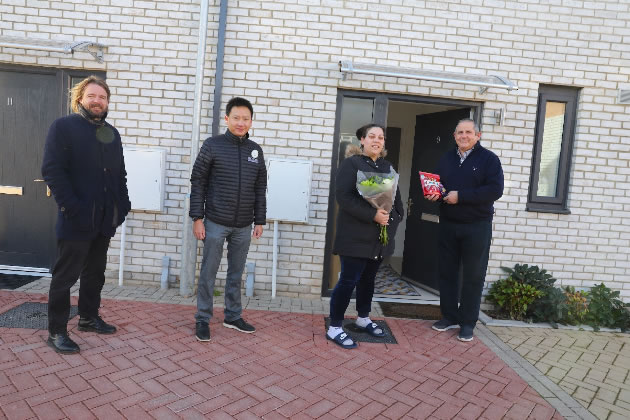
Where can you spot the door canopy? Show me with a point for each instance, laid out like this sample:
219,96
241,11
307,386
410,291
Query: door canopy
65,47
485,82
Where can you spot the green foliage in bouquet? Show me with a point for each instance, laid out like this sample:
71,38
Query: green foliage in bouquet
605,309
513,296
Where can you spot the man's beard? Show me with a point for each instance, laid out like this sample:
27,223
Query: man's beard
96,112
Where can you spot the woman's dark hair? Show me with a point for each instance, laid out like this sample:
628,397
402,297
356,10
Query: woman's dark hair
362,131
238,101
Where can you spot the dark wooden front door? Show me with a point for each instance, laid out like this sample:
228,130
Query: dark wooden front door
433,138
29,103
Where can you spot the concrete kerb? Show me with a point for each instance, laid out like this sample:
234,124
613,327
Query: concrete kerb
491,322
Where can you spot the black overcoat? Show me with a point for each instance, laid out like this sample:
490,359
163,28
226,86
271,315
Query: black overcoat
357,234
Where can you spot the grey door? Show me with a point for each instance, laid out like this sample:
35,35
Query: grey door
29,103
433,138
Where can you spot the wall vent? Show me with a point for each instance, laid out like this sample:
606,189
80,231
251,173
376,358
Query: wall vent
624,97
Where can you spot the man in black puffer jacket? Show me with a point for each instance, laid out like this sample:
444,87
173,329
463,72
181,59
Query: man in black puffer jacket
228,194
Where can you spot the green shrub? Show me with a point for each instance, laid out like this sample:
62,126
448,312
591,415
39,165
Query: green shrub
532,275
551,307
528,293
577,306
513,297
605,309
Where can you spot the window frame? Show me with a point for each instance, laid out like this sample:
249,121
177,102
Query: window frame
559,202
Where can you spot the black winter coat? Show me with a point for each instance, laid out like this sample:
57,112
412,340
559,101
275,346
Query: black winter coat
84,167
229,182
357,233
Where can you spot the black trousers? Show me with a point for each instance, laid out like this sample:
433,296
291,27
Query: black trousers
355,272
84,259
467,244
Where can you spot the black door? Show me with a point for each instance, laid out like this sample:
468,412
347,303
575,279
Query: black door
29,103
433,138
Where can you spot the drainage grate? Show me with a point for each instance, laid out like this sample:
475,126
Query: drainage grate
358,335
410,310
33,315
14,281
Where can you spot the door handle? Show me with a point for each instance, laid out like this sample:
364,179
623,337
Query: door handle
47,187
409,204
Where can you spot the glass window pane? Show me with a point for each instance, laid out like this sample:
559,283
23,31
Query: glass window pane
550,150
355,112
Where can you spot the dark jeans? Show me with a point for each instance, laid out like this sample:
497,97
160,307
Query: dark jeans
355,272
468,244
86,259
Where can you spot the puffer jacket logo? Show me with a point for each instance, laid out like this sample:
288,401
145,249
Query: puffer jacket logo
254,157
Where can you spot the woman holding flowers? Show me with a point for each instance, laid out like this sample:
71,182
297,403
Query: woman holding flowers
359,240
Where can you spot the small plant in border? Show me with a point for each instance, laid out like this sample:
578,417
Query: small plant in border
605,309
577,306
513,297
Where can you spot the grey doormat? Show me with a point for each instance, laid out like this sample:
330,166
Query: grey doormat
389,282
33,315
14,281
358,335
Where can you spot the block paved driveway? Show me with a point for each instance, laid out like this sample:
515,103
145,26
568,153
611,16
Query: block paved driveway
593,367
153,367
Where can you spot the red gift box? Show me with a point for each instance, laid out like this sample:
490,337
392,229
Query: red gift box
431,184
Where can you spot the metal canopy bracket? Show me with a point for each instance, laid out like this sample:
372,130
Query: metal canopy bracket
94,48
485,82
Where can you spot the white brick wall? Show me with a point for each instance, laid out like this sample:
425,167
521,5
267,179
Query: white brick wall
283,56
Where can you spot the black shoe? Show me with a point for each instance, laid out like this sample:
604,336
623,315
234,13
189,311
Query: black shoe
466,333
202,332
61,343
96,325
239,324
444,325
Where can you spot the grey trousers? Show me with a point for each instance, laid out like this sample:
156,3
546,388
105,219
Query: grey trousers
238,240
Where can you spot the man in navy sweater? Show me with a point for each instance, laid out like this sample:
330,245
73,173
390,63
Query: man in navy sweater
84,167
473,178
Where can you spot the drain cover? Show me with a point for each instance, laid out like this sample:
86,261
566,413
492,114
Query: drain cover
410,310
13,281
33,315
359,335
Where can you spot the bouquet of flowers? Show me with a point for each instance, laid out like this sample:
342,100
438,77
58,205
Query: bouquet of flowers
431,184
379,190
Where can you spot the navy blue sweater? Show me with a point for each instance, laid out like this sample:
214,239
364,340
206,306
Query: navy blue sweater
84,167
478,182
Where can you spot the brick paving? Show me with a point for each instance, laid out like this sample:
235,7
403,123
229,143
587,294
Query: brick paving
153,367
593,367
